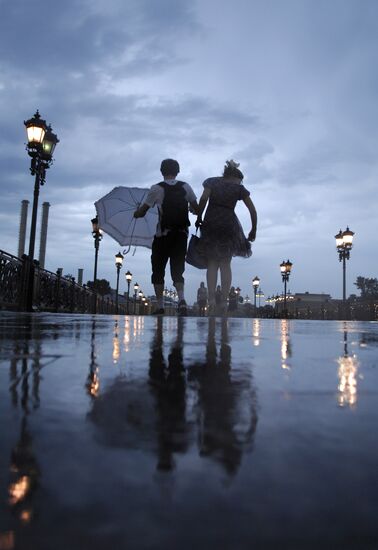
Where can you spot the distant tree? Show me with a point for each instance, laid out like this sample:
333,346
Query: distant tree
102,286
69,276
367,286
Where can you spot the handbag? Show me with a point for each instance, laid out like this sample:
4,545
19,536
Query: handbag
194,254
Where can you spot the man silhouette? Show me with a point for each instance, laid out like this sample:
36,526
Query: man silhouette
173,199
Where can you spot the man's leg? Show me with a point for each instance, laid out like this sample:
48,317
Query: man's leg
178,246
159,258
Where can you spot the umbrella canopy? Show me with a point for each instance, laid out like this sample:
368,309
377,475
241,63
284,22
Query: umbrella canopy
115,216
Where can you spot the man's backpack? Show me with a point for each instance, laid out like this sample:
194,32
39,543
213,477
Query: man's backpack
174,209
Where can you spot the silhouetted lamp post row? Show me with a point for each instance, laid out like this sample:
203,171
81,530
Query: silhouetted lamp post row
129,277
344,243
118,264
285,272
40,147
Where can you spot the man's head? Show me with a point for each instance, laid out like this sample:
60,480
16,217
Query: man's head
169,167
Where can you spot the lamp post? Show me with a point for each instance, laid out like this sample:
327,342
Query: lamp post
136,288
129,277
285,272
255,284
97,236
118,264
40,147
344,243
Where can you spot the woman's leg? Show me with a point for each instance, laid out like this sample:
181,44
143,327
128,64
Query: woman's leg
211,277
226,278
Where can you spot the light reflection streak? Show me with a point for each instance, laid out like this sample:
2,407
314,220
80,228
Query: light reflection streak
19,490
285,344
347,374
93,379
7,540
126,335
116,346
256,332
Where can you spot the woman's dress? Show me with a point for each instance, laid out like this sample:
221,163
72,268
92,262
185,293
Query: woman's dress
222,235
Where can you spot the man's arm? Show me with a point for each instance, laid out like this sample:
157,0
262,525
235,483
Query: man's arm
141,211
193,207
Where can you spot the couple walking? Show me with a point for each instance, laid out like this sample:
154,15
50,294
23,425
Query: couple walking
222,236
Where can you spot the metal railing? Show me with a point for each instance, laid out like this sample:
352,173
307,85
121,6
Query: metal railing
51,291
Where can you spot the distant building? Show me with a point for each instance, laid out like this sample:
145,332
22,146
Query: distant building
306,305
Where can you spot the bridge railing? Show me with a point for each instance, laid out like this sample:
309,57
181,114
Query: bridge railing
51,291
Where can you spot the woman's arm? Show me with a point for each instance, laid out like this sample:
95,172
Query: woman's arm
202,204
252,211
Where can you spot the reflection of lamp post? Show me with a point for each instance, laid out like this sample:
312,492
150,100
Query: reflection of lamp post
129,277
136,288
255,283
285,272
118,264
344,242
260,295
347,373
40,147
97,235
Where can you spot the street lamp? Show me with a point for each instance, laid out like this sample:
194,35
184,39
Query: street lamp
255,284
118,264
136,288
129,277
97,236
344,242
40,147
285,272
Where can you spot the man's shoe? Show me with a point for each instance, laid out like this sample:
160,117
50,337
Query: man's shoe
159,311
182,309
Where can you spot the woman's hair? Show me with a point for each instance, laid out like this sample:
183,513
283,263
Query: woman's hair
231,169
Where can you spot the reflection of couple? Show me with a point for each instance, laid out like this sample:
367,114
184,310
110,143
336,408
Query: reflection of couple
219,400
154,415
222,236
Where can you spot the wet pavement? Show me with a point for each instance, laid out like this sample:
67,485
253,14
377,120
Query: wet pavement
138,432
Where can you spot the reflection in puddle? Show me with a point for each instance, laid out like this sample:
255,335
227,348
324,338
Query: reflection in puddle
286,351
347,373
24,472
256,332
7,541
93,379
116,345
181,405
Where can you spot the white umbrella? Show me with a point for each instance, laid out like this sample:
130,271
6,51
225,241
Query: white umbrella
115,216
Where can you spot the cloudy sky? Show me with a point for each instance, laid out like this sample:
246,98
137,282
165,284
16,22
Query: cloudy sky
288,88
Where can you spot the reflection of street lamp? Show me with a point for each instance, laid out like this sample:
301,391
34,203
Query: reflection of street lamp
255,283
285,272
260,295
136,288
40,147
129,277
118,264
344,242
347,372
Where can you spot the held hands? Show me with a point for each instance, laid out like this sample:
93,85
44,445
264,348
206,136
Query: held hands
198,222
252,235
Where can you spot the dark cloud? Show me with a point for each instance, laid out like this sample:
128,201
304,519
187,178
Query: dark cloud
287,89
